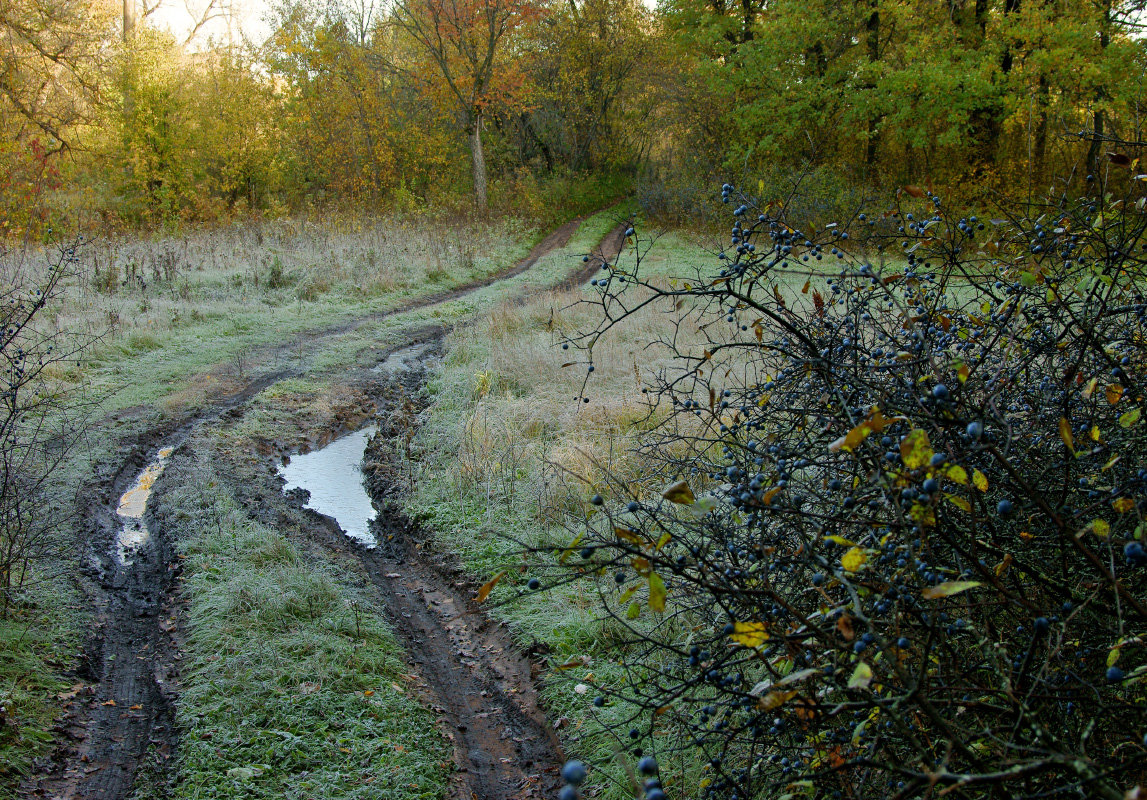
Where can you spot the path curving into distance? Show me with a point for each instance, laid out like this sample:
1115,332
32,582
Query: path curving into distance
118,719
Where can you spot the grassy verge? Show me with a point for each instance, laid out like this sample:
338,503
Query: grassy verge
34,647
509,460
185,317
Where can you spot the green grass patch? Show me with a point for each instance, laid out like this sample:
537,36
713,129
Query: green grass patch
36,640
293,688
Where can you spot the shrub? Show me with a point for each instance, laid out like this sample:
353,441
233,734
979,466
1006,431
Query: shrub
902,550
42,414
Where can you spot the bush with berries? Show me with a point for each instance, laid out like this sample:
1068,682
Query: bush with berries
898,547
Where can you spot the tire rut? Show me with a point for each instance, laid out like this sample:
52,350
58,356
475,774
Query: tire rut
120,717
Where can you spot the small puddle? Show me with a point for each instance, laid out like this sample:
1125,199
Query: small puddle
401,359
333,476
133,533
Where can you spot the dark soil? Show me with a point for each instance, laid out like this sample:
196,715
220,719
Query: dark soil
119,717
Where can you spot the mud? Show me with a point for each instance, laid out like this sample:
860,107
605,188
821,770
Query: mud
118,718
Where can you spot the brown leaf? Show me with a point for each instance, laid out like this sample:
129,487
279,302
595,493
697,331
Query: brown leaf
913,190
1119,159
818,303
633,537
844,627
679,493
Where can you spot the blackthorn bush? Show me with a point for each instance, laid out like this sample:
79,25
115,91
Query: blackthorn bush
902,551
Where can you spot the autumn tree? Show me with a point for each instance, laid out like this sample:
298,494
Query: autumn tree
593,66
356,126
52,57
468,53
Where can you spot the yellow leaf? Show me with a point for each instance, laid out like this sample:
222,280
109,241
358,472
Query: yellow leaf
861,677
775,700
657,593
488,586
854,559
962,373
749,634
679,493
1100,528
916,450
957,474
959,502
1113,656
1089,389
1065,434
1114,392
1124,504
840,540
923,514
873,423
1130,418
980,480
770,494
1095,433
625,534
948,588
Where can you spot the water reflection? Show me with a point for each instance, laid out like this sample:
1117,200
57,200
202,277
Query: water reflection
333,476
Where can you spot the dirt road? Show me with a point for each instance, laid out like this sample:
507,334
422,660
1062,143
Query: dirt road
118,719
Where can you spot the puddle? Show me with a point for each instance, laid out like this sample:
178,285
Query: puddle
133,503
401,359
333,477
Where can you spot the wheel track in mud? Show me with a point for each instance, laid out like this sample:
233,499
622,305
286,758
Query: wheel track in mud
123,709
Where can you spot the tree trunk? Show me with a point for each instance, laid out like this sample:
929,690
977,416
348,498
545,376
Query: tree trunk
1098,128
478,163
1039,153
872,45
129,13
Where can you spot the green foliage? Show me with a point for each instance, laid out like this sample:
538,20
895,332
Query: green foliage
191,137
893,92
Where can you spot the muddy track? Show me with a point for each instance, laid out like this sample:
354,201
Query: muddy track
119,717
469,671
